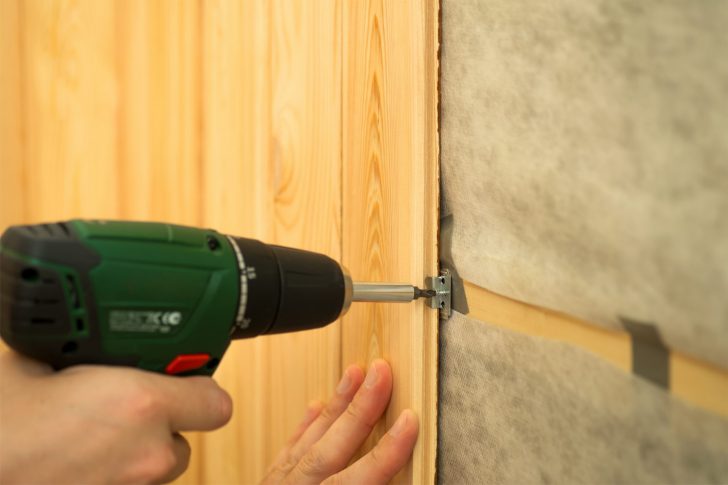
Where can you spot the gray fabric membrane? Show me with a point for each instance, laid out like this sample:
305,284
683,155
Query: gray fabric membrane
521,409
584,151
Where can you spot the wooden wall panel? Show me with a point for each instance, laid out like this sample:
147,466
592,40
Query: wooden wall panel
390,204
228,114
12,176
133,63
305,165
158,66
272,170
237,200
67,109
311,124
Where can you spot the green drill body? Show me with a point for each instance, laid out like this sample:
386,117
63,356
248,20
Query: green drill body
160,290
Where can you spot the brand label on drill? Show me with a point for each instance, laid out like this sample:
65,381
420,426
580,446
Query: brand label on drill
144,321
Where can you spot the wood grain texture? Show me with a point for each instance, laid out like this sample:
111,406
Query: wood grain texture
230,115
305,168
101,92
237,200
697,382
12,175
390,206
272,171
68,109
306,124
157,60
158,65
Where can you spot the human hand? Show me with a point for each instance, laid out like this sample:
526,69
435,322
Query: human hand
94,424
326,440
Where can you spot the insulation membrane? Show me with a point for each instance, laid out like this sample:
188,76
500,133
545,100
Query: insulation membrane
521,409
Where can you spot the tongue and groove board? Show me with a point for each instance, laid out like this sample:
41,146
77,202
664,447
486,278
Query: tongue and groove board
102,115
273,164
12,203
310,124
390,202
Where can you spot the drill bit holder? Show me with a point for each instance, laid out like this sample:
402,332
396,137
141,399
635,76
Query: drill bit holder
437,292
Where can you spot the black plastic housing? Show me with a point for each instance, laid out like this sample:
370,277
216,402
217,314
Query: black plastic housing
288,289
38,300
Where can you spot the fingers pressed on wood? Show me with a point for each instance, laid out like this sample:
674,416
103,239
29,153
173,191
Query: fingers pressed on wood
383,462
315,424
336,447
349,384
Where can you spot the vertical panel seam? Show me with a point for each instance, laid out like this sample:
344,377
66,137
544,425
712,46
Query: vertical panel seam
200,452
200,110
121,94
25,210
340,8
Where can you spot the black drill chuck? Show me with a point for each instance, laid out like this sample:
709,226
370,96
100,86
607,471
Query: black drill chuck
287,289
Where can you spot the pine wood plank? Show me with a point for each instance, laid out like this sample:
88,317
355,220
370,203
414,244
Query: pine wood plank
81,81
68,109
134,49
155,53
272,170
229,114
390,201
158,136
305,168
237,199
12,175
158,64
159,67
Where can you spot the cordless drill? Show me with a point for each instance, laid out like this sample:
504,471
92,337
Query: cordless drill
162,297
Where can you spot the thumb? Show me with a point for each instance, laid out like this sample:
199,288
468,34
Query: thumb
193,403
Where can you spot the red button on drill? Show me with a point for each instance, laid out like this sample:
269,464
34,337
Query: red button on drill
185,362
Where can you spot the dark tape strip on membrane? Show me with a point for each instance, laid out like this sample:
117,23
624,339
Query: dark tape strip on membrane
650,356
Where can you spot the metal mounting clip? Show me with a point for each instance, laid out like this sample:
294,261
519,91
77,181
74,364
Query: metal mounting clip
441,285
